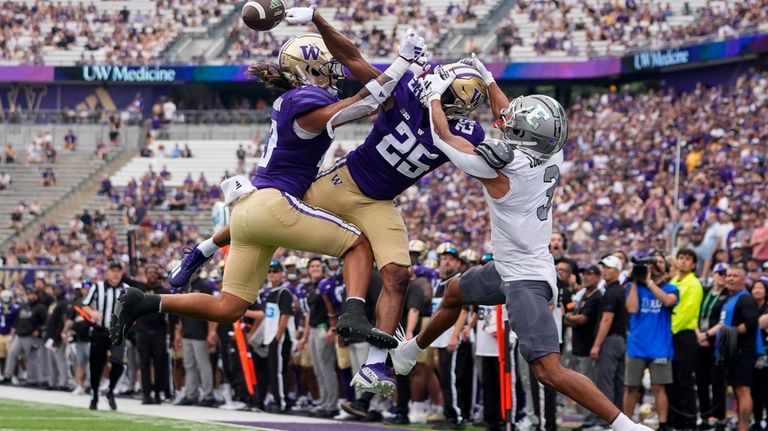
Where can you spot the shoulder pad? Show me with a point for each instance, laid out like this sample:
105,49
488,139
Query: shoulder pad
497,153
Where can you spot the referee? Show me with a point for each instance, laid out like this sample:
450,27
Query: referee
102,298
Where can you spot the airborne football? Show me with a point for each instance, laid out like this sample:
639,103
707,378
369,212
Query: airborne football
531,215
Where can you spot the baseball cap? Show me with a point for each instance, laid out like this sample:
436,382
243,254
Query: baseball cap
448,248
235,188
276,264
611,262
736,245
592,269
115,264
720,267
765,265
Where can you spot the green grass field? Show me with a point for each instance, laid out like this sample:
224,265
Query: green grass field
18,415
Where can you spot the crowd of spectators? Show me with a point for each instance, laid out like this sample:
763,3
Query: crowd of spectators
150,192
622,25
103,36
374,38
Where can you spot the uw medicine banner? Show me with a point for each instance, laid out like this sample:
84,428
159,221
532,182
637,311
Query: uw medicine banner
639,62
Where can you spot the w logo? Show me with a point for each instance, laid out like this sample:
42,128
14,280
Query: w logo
476,95
311,52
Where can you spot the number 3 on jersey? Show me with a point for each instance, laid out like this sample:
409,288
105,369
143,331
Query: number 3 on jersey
395,150
551,175
271,144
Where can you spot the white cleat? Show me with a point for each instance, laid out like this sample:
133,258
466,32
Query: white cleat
403,360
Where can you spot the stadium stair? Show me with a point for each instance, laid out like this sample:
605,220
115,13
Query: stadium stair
76,174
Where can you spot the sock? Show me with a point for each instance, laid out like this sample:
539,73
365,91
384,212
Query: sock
207,247
150,304
622,423
114,375
376,356
411,348
346,379
357,298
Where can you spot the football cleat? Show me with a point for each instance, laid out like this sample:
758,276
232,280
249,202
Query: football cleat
193,260
375,378
131,304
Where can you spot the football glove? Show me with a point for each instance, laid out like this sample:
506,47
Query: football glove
299,15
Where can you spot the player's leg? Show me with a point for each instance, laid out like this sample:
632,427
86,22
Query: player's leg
480,285
195,258
335,191
528,310
246,267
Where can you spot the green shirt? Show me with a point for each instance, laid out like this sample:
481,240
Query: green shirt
685,316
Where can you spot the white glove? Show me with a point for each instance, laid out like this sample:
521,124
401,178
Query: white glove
433,86
412,46
477,64
300,15
421,65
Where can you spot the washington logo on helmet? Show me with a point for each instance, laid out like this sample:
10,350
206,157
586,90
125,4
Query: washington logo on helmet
310,52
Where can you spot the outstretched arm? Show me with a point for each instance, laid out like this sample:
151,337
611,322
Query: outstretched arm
341,48
496,97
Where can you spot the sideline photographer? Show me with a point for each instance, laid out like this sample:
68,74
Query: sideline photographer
650,300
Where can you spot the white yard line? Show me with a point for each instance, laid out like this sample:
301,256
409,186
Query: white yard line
133,406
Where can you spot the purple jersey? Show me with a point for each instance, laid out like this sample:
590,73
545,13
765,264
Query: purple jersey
8,315
430,274
333,289
399,150
290,163
299,290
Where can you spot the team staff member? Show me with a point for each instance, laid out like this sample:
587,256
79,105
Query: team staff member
152,343
322,340
685,320
739,318
487,349
102,299
447,343
279,334
610,342
29,326
584,320
195,337
710,376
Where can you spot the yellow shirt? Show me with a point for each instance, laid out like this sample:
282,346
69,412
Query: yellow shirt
686,314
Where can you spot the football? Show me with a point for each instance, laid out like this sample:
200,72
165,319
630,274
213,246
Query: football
263,15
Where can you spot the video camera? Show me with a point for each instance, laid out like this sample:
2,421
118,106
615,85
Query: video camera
640,268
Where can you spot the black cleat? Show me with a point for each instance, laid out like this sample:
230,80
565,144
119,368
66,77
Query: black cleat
355,328
131,304
94,404
111,400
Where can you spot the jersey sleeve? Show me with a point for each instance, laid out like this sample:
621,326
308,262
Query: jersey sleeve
470,130
304,100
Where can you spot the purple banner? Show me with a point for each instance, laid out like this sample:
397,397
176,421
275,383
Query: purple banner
37,97
26,74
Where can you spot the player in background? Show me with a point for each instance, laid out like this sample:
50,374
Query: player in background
519,176
272,214
361,187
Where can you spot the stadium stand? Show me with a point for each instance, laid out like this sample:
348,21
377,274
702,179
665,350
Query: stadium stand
600,28
71,168
103,31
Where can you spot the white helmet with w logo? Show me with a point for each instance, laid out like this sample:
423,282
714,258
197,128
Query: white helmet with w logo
305,60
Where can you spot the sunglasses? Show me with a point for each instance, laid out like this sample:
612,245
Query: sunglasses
275,270
721,273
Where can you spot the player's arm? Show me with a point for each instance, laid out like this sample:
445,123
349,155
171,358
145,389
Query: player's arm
341,48
370,97
497,99
459,150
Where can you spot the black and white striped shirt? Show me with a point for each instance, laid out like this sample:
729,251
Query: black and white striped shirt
103,297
